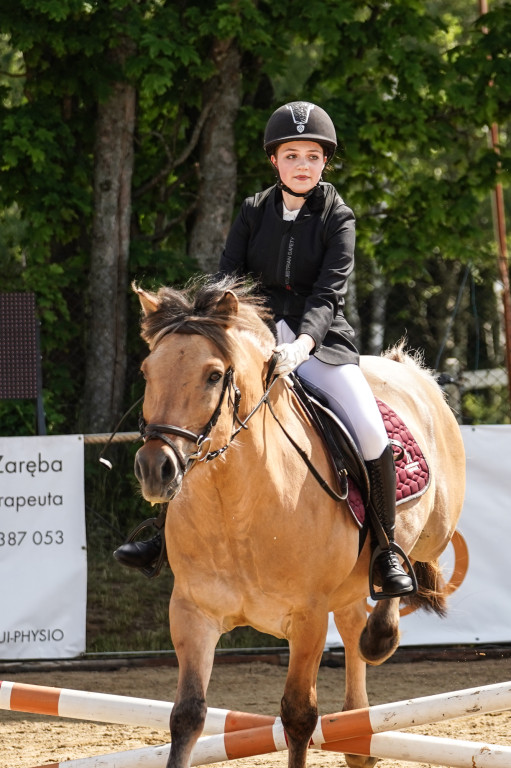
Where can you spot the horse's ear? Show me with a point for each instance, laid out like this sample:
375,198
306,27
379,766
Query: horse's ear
148,301
228,304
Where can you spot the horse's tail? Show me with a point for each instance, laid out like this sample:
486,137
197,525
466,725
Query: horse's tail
397,352
432,592
413,359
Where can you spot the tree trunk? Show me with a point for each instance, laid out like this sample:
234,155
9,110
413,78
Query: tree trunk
108,282
217,162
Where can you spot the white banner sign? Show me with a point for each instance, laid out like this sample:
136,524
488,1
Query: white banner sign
479,612
43,556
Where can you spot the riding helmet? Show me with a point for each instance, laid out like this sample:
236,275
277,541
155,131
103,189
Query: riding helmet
300,120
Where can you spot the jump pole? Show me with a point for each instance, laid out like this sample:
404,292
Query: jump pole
110,708
391,745
128,710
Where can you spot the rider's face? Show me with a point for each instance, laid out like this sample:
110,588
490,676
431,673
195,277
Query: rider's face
300,164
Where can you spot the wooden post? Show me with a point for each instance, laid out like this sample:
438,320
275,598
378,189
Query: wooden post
499,222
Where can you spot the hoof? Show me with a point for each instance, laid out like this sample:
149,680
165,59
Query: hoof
380,636
376,651
360,761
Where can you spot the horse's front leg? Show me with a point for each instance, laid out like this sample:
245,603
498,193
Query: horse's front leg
194,637
299,706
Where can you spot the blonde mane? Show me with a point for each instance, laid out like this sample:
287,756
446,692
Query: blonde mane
194,310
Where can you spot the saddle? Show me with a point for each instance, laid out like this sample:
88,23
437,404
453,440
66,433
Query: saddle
412,471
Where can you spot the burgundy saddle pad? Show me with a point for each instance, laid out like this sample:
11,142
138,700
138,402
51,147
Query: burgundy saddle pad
412,471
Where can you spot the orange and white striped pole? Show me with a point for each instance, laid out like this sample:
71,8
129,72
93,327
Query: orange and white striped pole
110,708
128,710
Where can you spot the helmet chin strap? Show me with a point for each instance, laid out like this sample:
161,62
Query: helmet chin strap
285,188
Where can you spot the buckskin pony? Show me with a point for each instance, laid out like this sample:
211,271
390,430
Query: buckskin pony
252,539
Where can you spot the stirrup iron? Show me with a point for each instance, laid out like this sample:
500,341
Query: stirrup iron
394,547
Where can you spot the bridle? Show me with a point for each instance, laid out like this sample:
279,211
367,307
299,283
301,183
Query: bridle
202,440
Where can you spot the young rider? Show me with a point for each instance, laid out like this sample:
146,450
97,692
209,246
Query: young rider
297,240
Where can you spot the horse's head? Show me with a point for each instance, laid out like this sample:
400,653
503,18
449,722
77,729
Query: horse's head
191,400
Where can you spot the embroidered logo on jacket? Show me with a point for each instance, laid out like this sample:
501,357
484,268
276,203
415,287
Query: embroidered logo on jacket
289,258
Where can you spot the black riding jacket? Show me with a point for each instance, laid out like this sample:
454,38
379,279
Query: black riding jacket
302,266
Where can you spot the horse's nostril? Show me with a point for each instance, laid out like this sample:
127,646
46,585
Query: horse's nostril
167,470
138,469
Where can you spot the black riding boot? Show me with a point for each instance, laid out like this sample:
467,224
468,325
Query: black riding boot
139,554
382,475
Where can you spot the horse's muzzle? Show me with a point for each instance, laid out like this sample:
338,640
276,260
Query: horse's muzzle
158,472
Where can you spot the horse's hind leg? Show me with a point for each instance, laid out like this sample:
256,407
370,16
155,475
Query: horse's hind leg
380,637
194,639
299,710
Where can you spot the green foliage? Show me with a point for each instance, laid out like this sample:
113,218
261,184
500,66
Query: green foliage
411,86
486,407
125,611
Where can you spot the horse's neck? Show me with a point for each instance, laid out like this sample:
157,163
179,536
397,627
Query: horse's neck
261,449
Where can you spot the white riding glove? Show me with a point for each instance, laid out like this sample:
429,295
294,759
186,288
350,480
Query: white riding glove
291,356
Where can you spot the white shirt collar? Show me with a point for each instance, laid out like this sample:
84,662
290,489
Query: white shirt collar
288,215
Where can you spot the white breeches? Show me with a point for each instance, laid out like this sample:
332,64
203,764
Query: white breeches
349,396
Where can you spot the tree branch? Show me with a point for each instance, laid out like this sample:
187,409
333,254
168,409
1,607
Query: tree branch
185,154
162,233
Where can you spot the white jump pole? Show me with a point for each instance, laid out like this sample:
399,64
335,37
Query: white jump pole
109,708
392,745
128,710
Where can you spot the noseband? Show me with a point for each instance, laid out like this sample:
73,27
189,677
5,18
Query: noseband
203,440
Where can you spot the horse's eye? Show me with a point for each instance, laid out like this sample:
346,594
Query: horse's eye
214,377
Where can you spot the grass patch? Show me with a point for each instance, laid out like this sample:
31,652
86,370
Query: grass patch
126,612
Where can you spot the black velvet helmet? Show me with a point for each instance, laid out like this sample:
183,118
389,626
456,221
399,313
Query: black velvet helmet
300,120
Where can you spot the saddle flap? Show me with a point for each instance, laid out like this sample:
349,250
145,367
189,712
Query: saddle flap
343,449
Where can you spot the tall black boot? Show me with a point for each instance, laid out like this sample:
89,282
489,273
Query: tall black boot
382,476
